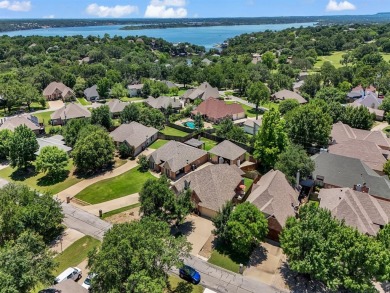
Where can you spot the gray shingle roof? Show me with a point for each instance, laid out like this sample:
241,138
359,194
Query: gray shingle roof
286,94
175,155
133,133
228,150
194,142
214,184
163,102
273,195
91,92
57,87
117,106
13,122
71,111
56,140
357,209
251,122
343,171
204,91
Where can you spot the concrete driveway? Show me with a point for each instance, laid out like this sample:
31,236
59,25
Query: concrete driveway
55,105
198,231
66,239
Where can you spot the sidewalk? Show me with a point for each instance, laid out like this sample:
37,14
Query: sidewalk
111,205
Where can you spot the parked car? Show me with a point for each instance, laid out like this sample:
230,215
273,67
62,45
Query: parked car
70,273
190,274
87,281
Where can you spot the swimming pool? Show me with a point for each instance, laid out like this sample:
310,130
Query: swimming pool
189,124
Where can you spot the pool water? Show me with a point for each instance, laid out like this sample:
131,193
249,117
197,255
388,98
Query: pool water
190,124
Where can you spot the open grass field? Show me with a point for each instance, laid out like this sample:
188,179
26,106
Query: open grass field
75,253
158,144
39,181
173,131
112,188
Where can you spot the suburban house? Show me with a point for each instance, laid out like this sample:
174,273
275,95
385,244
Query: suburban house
162,103
366,151
68,112
212,186
203,92
91,93
286,94
275,197
67,286
335,171
175,158
303,75
55,140
342,132
12,122
116,107
379,114
358,209
196,143
57,90
169,84
135,90
215,110
359,92
206,62
227,152
134,135
252,126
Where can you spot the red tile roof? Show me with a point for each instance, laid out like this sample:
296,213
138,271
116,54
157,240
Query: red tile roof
217,109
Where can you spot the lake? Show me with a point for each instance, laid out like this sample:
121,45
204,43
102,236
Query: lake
202,36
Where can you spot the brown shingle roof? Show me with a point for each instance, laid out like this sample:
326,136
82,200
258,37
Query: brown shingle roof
163,102
57,86
228,150
71,111
274,196
116,106
214,185
13,122
204,91
217,109
286,94
357,209
134,133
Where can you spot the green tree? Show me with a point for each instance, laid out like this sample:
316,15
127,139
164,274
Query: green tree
220,222
293,159
118,91
24,209
358,117
268,58
386,168
25,263
23,145
5,137
52,160
118,264
327,250
309,125
312,85
103,87
385,106
258,93
230,131
183,74
287,105
72,129
93,152
69,80
125,151
29,95
143,163
271,139
130,113
152,117
330,94
384,236
102,116
198,121
246,227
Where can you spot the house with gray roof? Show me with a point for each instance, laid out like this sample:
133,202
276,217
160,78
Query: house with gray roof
196,143
286,95
276,198
162,103
116,107
67,286
135,90
335,171
227,152
55,140
135,135
212,186
91,93
206,61
252,126
169,84
175,159
11,123
357,209
379,114
68,112
203,92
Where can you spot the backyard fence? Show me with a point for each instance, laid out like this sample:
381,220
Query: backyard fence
218,139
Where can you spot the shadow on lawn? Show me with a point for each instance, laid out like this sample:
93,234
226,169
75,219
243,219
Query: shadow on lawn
259,255
23,174
182,287
234,256
49,180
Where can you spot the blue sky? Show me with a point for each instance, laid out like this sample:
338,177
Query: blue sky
185,8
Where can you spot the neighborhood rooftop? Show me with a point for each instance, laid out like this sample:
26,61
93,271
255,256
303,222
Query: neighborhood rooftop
134,133
216,109
228,150
286,94
163,102
71,111
13,122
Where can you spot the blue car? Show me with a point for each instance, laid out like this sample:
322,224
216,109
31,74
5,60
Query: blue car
190,274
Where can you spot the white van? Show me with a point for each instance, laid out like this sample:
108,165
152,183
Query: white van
70,273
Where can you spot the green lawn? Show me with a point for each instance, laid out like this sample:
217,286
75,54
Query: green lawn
175,281
158,144
208,143
386,57
75,254
249,111
120,210
127,99
83,101
39,181
112,188
248,182
173,131
224,261
334,59
43,117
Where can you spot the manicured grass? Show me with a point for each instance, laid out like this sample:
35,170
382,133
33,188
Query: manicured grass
43,117
75,254
249,111
386,57
127,99
334,59
224,261
173,131
37,106
208,143
120,210
270,105
83,101
175,281
39,181
112,188
248,182
158,144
